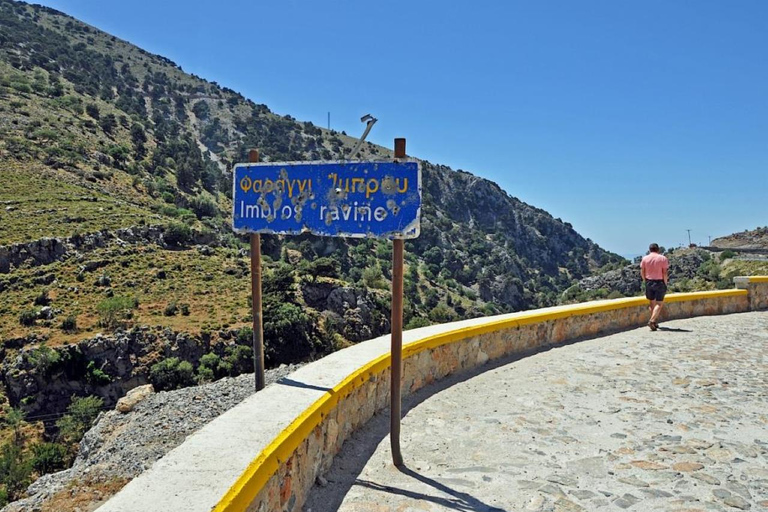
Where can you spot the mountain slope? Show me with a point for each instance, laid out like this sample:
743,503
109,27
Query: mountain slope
105,135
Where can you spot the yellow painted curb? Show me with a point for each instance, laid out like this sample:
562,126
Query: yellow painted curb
263,467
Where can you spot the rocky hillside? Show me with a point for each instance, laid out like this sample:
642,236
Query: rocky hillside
126,441
118,266
691,269
756,239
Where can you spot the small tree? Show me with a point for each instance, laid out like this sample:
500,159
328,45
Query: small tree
202,110
49,457
114,310
14,419
138,137
119,154
43,358
81,414
15,470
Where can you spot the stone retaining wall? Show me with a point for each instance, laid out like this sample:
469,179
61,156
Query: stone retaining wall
757,287
318,408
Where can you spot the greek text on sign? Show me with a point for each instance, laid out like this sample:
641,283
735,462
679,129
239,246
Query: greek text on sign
346,199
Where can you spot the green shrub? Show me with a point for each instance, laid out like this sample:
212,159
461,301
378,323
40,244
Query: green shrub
373,277
168,197
240,359
210,368
92,110
245,336
14,419
205,374
417,321
21,87
177,234
442,314
96,376
203,206
184,308
171,309
726,255
709,270
27,318
69,324
171,374
168,211
49,457
290,333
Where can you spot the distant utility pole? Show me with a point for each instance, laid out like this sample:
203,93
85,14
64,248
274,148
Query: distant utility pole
329,121
689,237
710,240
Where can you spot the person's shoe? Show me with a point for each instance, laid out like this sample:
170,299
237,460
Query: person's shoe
653,325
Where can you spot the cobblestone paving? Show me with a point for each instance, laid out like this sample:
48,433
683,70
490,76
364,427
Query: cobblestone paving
673,420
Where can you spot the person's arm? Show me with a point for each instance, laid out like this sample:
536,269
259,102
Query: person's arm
665,273
642,272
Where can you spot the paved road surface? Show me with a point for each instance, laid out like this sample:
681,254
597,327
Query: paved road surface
673,420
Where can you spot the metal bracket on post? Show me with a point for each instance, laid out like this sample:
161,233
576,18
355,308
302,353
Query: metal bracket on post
370,121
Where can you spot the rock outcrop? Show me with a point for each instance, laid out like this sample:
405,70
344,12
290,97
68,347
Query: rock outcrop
756,239
121,445
355,310
47,250
107,366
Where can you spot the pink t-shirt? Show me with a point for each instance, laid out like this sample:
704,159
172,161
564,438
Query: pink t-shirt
654,264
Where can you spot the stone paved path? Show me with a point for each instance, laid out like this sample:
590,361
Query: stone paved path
673,420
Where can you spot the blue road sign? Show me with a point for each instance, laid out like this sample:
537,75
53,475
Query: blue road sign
346,199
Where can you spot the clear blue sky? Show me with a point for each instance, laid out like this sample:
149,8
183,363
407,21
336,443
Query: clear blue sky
634,121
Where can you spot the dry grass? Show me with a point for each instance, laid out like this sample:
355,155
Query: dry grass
85,496
216,289
40,202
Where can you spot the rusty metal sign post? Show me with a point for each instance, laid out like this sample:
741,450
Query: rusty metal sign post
258,327
397,337
371,199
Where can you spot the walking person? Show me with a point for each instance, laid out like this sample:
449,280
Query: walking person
654,270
